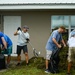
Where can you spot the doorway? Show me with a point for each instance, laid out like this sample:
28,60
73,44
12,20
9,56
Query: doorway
10,26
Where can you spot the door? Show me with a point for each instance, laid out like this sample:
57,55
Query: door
11,23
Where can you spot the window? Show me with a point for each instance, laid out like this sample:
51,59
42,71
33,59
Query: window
65,20
57,21
72,21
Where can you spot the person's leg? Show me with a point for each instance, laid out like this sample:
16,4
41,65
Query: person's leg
47,64
27,58
9,51
18,54
48,56
25,50
8,59
18,58
69,66
70,59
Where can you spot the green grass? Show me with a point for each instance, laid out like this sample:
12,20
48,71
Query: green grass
36,67
27,70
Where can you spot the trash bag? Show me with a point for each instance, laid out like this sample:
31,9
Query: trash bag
2,62
54,61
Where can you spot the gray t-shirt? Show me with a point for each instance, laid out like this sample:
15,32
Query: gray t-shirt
22,38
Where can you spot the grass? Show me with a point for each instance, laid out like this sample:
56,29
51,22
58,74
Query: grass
26,70
34,68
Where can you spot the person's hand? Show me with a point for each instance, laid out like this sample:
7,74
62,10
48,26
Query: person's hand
59,46
27,40
3,48
64,45
18,28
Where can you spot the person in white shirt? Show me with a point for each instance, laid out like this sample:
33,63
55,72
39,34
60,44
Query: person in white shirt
23,39
71,33
71,52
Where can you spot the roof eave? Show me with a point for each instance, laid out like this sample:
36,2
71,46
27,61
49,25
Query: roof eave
35,6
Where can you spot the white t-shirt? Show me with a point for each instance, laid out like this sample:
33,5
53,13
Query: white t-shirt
72,33
71,42
22,38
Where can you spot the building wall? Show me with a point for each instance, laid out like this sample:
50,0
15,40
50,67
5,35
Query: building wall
39,22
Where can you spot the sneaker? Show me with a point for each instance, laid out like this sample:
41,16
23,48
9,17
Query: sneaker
47,71
68,74
18,64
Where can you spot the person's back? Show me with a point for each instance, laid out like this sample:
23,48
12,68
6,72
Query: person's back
8,40
71,41
50,44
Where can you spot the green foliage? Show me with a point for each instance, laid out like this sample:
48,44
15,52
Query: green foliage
63,58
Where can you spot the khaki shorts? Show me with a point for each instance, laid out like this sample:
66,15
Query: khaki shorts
48,54
71,54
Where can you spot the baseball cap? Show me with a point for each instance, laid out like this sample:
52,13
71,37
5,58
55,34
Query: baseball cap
26,27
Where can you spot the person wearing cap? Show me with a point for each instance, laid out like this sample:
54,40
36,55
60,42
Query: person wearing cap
53,44
23,38
71,51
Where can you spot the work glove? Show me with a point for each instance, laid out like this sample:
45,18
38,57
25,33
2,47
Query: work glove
27,40
18,28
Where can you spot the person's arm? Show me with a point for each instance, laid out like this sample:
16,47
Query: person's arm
16,33
58,45
28,37
63,43
4,42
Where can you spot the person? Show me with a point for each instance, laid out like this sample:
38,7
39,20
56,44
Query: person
53,44
6,43
71,51
72,32
23,38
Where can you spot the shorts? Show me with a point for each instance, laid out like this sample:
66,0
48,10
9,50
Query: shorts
48,54
24,48
71,54
7,51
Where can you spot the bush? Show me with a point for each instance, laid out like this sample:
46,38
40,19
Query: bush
63,58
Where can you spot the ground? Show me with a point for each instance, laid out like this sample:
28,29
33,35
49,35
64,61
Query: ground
36,67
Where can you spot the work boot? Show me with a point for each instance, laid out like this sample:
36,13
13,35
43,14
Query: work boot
18,64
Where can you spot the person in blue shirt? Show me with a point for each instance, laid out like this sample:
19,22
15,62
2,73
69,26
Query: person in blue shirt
53,43
6,48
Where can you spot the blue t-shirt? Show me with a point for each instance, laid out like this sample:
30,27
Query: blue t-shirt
50,44
7,39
